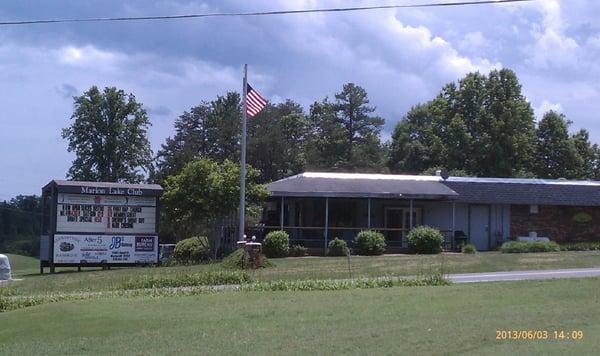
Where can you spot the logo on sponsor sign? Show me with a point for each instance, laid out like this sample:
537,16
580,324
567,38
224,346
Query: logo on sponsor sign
94,240
118,242
66,246
144,243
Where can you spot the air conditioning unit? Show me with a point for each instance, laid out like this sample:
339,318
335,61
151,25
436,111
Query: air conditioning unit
4,268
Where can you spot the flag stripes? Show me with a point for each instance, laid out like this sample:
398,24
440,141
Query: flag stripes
254,101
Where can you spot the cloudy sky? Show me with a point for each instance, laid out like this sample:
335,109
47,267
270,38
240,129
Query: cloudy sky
402,57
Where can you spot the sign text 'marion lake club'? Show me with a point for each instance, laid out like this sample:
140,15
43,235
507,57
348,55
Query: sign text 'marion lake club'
111,191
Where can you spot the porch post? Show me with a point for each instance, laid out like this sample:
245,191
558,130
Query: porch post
326,222
282,211
410,213
453,219
369,213
452,242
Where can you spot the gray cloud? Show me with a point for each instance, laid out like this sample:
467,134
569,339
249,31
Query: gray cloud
67,90
401,57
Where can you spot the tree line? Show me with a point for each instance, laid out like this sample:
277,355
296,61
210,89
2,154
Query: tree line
20,224
480,125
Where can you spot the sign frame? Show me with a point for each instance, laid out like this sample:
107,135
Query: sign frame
50,226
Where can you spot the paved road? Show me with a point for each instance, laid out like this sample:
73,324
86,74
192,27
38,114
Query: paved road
524,275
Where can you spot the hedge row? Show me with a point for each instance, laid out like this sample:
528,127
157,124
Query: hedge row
529,246
421,239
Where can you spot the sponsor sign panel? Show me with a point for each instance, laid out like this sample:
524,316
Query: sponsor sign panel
106,214
109,249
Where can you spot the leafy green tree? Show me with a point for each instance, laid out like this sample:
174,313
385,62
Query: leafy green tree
276,141
415,145
211,130
508,128
482,126
204,192
109,137
223,128
557,154
190,140
345,134
589,154
326,144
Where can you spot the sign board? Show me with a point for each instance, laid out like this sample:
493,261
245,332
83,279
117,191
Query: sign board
105,249
106,214
99,223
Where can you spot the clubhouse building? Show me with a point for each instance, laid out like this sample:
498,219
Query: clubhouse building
315,208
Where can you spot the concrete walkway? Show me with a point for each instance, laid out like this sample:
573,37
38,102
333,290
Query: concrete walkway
524,275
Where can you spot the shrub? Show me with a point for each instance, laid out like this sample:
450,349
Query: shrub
425,239
469,248
337,247
370,242
581,246
298,251
193,250
236,260
529,246
276,244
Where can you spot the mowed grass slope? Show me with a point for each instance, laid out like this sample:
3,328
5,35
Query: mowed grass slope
23,265
420,320
69,280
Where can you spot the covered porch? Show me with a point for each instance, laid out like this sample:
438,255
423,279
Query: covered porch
312,222
315,208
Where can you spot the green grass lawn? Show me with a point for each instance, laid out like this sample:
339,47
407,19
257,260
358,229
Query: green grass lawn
23,265
306,268
418,320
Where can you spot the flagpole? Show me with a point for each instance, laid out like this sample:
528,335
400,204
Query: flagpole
242,221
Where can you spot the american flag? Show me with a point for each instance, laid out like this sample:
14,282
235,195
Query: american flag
254,101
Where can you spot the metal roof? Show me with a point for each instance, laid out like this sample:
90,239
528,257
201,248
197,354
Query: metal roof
356,185
461,189
473,191
524,181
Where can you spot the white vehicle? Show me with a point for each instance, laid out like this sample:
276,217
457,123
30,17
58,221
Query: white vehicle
4,268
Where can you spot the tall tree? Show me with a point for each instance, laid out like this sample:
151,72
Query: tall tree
211,130
557,155
190,139
589,154
345,134
276,141
109,137
481,125
326,143
415,147
508,128
223,128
